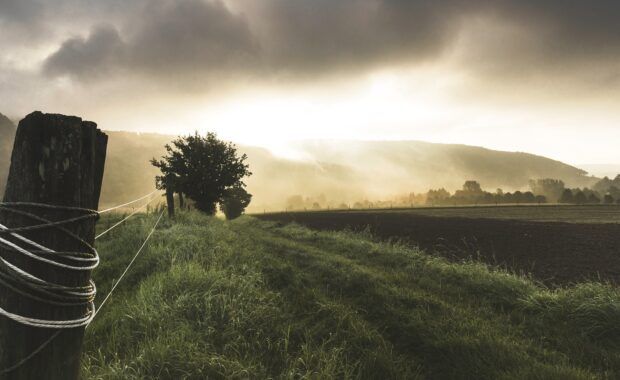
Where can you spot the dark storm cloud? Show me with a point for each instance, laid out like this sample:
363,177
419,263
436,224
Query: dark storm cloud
547,38
191,35
187,38
323,33
28,24
99,52
574,26
197,38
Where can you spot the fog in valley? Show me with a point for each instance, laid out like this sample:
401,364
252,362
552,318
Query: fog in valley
334,173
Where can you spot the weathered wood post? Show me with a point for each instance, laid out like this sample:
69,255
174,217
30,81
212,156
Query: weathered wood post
56,160
170,194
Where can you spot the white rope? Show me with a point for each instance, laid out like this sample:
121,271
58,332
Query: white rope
128,203
51,324
129,265
126,218
25,252
68,289
38,289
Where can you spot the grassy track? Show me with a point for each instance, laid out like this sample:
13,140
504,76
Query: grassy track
249,299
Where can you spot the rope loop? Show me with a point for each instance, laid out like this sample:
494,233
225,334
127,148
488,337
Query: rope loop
38,289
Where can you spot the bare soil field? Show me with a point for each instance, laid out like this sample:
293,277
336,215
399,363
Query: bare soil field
555,253
540,213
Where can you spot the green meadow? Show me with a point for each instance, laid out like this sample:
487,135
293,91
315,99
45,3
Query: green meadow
209,298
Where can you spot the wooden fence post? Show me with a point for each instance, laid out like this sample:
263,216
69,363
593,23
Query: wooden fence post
57,160
170,194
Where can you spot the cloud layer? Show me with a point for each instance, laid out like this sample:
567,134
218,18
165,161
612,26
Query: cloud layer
196,39
204,42
470,68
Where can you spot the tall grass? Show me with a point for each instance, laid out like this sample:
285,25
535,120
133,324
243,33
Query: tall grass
250,299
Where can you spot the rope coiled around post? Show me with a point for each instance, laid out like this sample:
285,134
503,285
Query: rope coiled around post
39,289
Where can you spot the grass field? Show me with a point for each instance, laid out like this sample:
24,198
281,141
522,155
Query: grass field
251,299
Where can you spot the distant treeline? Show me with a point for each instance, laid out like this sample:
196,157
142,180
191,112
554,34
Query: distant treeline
605,191
541,191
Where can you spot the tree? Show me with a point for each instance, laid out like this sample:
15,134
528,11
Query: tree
567,196
528,197
551,188
608,199
614,192
471,193
517,197
603,185
593,199
540,199
488,198
498,197
235,201
580,198
472,188
438,196
204,168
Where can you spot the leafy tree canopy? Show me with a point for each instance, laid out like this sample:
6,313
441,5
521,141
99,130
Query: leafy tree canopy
235,201
567,196
203,168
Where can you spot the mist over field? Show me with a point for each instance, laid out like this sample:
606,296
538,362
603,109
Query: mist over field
345,171
335,172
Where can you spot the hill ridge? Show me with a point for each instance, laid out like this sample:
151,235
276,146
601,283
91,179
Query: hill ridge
339,171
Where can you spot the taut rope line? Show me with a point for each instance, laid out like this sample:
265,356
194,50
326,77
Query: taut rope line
126,218
128,203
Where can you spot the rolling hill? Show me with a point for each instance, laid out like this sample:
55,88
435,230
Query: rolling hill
343,171
419,165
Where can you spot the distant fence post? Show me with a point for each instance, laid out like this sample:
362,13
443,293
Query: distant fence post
56,160
170,194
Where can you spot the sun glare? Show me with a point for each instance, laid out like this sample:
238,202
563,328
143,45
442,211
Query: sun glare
351,111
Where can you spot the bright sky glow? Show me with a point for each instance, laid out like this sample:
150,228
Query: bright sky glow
503,75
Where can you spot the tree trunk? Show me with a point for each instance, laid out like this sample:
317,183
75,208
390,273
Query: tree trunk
181,201
170,195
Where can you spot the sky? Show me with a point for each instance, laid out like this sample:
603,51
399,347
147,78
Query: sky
539,76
